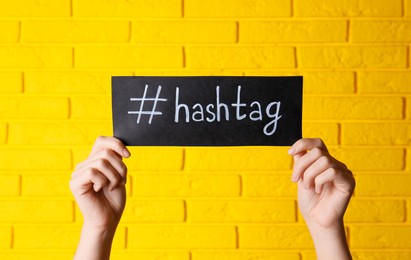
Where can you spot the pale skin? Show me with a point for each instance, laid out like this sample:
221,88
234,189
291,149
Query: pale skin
325,186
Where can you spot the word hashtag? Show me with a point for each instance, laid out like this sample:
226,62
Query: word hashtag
153,111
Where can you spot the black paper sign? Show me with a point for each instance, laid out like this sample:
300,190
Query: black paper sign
207,111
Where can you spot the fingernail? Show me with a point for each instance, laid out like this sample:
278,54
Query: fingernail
294,178
126,153
291,151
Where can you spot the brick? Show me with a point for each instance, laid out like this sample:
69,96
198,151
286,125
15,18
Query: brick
119,57
381,134
408,108
235,158
139,211
335,82
70,82
46,185
33,107
9,184
292,31
380,31
184,31
82,31
350,8
383,185
236,8
381,255
36,57
181,236
234,211
236,57
128,9
342,108
162,255
375,211
12,82
380,236
154,158
40,211
57,133
10,31
384,82
35,159
244,255
408,8
328,132
372,159
35,8
3,133
183,185
16,255
274,236
188,72
5,237
91,108
268,185
352,57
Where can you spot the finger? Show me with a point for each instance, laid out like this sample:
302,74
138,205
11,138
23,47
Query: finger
316,168
307,144
91,178
104,142
302,162
331,175
111,157
105,168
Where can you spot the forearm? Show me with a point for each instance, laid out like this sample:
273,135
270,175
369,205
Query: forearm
330,243
94,244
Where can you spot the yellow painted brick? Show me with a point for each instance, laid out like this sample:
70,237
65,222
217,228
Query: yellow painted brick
381,134
125,8
380,31
341,108
91,107
268,185
292,31
375,211
384,82
408,108
181,236
324,82
46,185
5,237
380,236
9,184
184,31
381,255
57,133
138,211
408,8
244,57
162,255
271,236
383,185
10,31
73,82
12,82
119,57
36,57
39,211
236,8
16,255
244,255
372,159
188,72
183,185
35,8
237,158
328,132
33,108
234,211
343,8
352,57
35,159
3,133
155,158
62,31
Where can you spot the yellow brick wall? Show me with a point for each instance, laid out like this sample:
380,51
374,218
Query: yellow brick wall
56,60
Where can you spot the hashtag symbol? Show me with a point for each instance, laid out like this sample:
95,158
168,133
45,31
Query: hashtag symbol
153,111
